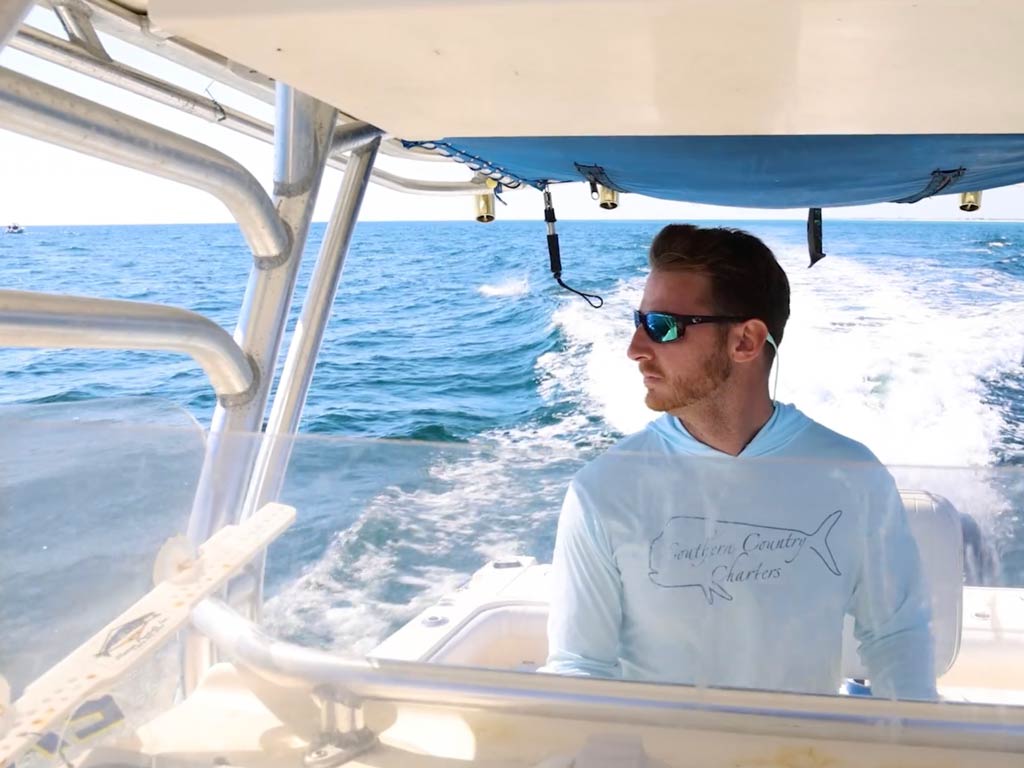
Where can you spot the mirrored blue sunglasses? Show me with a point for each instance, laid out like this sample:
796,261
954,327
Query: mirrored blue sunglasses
663,327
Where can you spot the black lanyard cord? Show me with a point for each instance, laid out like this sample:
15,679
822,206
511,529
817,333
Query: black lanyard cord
555,254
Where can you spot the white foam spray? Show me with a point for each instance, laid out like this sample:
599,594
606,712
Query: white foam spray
513,286
863,353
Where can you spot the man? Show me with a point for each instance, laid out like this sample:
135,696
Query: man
725,543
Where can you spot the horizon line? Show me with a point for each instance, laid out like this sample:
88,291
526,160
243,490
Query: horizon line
602,220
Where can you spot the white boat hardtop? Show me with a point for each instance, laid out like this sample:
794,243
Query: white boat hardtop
796,103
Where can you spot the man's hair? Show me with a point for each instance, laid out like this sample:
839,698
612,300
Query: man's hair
746,280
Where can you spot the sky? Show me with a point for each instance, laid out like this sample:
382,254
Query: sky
41,184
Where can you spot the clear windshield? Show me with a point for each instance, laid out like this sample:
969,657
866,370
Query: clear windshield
91,490
386,527
757,569
814,576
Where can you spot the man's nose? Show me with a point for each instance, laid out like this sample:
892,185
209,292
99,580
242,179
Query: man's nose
639,346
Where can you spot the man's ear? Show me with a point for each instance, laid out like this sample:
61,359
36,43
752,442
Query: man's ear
749,340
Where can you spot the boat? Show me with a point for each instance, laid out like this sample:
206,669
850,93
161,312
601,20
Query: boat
14,229
790,104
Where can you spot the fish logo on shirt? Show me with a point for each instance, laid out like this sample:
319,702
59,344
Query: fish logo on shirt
127,636
708,554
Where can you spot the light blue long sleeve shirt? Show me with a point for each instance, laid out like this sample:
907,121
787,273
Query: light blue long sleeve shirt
675,562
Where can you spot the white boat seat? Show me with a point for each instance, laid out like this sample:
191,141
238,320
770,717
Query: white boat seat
503,637
937,528
512,634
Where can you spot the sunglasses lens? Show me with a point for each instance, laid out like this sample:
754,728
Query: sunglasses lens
659,327
662,327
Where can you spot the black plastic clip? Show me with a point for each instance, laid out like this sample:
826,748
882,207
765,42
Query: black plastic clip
814,238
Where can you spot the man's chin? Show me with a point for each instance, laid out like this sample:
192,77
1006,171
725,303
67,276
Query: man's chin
657,403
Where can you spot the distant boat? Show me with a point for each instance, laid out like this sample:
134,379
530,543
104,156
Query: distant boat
14,229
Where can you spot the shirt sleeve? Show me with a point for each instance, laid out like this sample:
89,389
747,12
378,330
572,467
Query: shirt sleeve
586,595
891,604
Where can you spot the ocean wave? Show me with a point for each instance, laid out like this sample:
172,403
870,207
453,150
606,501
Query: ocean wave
1012,265
73,395
431,433
510,287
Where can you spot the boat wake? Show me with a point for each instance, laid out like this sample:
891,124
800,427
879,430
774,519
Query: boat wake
859,345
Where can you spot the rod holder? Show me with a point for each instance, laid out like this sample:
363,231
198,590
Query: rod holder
970,201
607,198
485,208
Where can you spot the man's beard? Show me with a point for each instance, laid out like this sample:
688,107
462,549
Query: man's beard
682,392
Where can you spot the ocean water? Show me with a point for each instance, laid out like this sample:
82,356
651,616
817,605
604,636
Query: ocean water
459,387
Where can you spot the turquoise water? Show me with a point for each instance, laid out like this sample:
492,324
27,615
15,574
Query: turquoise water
907,337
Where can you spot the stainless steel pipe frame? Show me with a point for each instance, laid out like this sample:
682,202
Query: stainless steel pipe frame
12,13
75,16
297,374
305,130
137,29
302,140
41,111
76,58
271,466
53,49
850,718
29,319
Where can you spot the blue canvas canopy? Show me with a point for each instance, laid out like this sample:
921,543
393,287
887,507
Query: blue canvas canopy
757,171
